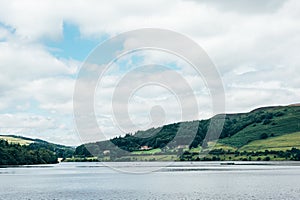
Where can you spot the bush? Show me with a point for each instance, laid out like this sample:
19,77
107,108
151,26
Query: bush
264,136
279,114
267,158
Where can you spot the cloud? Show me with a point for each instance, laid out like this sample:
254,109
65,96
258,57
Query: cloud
25,62
29,65
245,6
254,45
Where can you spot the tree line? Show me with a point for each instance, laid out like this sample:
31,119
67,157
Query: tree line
16,154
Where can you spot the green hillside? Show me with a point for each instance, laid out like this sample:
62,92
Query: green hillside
269,128
15,150
280,143
275,121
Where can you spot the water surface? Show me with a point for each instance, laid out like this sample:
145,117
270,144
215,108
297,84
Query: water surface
180,180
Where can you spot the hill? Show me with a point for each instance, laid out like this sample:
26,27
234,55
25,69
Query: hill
275,121
16,139
16,154
18,150
241,132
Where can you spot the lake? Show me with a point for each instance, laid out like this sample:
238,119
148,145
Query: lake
178,180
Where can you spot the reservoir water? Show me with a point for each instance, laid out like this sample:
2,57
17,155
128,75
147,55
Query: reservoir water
178,180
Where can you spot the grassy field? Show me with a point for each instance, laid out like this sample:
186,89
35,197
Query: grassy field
221,146
87,159
284,142
152,158
16,140
232,157
147,152
195,150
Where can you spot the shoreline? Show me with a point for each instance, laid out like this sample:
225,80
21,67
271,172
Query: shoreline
221,163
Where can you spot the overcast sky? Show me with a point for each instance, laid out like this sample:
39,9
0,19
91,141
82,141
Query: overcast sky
254,44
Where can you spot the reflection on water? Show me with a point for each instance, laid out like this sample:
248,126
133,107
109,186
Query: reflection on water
180,180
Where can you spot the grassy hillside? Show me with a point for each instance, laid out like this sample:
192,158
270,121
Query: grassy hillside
269,128
280,143
275,121
16,140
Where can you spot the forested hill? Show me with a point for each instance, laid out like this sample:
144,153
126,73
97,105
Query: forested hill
18,150
239,131
16,154
264,133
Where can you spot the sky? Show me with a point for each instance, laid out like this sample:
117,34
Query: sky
254,45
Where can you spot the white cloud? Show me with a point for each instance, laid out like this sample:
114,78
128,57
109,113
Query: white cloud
25,121
254,45
245,6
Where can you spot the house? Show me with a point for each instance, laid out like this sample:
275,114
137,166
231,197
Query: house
106,152
145,148
182,146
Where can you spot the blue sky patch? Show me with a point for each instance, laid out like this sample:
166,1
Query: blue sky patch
72,45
